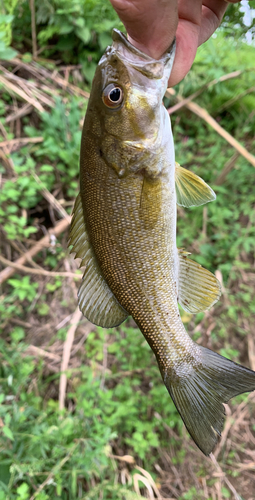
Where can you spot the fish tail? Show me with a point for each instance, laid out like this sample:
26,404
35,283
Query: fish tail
199,391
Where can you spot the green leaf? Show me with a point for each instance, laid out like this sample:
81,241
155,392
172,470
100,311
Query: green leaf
7,432
65,29
8,53
27,57
83,34
43,309
80,22
46,168
23,491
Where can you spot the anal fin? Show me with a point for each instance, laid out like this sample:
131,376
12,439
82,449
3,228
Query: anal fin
198,288
95,298
191,190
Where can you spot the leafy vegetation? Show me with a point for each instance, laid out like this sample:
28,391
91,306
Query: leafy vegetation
78,31
119,435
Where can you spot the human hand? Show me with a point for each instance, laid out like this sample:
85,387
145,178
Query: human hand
151,26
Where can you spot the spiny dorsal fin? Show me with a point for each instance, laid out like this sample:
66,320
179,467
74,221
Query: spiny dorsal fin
96,300
191,190
198,289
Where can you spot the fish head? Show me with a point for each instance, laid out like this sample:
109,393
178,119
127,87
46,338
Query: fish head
126,100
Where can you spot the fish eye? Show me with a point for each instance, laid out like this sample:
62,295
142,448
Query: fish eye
113,96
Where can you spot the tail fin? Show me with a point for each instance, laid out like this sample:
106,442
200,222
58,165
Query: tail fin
198,394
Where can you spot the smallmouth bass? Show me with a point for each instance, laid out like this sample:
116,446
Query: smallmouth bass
124,230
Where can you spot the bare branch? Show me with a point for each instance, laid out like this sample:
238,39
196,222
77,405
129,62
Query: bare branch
39,272
202,113
39,245
66,356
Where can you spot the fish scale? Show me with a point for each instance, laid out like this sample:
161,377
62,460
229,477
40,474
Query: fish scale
124,230
148,300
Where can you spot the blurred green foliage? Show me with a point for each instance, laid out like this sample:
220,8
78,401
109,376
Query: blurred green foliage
127,408
35,441
7,8
77,30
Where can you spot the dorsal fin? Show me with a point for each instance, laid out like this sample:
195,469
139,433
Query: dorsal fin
96,300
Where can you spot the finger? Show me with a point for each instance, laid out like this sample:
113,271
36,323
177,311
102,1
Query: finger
186,47
212,14
187,36
195,27
190,11
150,25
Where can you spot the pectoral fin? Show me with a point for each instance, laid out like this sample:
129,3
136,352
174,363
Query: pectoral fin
95,298
198,289
150,202
191,190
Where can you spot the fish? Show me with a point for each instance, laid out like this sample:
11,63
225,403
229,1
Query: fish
124,231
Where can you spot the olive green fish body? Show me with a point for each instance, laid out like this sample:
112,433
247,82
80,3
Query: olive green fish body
124,229
132,226
138,262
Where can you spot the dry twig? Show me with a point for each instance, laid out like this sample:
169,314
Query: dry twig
148,481
227,168
202,113
50,198
31,88
19,113
222,474
235,98
14,88
251,350
125,458
39,272
18,143
66,356
41,353
186,100
8,161
39,245
224,435
33,26
41,73
18,321
4,154
89,327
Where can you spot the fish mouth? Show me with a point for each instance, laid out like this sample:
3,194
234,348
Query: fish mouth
152,68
